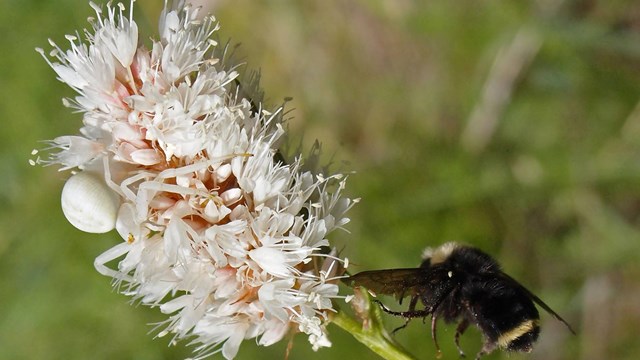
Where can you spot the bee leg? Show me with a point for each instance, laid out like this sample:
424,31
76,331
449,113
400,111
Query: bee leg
462,326
408,315
412,304
405,314
406,322
487,348
412,308
434,319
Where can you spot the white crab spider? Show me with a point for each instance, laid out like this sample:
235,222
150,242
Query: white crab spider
89,204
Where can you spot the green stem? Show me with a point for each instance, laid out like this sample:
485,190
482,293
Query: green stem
373,336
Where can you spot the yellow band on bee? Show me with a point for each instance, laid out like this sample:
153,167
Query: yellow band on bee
505,339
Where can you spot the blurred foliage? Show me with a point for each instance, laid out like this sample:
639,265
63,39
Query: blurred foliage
511,126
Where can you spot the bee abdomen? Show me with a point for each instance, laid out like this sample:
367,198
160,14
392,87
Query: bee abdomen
520,337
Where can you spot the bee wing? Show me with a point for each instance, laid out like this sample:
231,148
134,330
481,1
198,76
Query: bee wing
398,282
537,300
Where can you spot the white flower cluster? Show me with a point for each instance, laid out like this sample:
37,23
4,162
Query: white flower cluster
225,239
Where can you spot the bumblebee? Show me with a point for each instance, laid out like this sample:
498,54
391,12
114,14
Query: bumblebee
463,284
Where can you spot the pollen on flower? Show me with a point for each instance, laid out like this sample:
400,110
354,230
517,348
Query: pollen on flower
218,231
35,162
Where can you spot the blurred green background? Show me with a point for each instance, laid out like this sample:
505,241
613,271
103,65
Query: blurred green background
513,126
